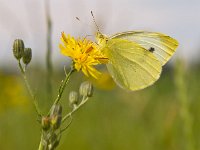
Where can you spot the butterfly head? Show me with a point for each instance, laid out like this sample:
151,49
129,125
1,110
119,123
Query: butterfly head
101,38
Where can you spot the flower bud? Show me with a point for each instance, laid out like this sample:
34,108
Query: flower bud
56,121
73,98
56,109
45,123
56,116
86,89
18,48
27,56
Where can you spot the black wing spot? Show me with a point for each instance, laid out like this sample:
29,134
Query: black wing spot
151,49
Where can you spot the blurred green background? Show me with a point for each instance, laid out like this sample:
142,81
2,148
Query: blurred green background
164,116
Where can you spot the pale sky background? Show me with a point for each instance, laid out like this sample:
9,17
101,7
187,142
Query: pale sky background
25,19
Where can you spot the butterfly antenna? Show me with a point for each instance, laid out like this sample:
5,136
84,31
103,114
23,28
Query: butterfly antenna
95,22
82,22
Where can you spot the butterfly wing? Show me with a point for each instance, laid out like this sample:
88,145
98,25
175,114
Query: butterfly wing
131,66
161,45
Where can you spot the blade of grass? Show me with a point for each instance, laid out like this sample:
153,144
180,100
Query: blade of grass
181,86
49,50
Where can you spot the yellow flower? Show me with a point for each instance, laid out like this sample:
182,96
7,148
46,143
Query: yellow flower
84,53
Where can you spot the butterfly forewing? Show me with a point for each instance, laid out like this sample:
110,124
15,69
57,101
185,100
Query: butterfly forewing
131,66
161,45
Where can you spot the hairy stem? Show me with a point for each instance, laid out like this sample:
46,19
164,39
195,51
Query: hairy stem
62,87
29,89
42,145
85,99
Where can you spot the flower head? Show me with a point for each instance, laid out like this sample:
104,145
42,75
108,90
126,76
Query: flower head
84,53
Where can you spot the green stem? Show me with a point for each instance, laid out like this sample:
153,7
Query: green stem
61,89
41,145
21,68
29,89
67,126
85,99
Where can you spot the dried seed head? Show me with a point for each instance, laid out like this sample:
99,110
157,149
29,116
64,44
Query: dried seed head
56,116
86,89
73,98
27,56
18,48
